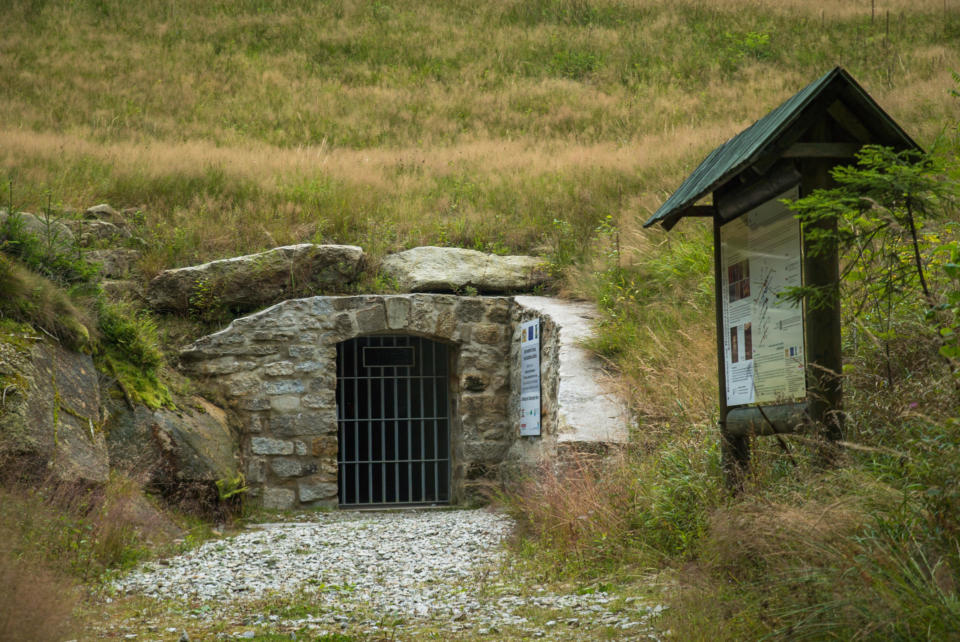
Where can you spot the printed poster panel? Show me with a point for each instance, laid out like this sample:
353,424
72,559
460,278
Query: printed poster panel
530,378
762,335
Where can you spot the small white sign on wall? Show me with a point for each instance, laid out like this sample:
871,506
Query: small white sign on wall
530,378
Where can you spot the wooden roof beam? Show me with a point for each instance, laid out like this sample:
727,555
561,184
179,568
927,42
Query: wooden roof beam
849,121
693,210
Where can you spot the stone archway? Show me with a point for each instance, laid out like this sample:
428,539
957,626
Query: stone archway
277,371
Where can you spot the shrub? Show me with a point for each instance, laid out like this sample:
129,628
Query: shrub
130,353
77,530
53,534
45,252
132,333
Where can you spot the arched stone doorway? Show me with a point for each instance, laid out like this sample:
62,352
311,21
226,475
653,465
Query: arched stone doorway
393,421
277,371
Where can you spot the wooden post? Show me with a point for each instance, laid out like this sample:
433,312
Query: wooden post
734,449
822,323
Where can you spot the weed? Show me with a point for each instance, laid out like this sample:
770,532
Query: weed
227,488
45,245
77,530
205,303
132,332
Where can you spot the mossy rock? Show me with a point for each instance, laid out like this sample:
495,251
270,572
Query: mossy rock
190,444
51,409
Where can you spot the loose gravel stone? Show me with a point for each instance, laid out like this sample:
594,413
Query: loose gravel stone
377,572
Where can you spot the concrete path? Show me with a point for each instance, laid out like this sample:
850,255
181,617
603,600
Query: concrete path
589,412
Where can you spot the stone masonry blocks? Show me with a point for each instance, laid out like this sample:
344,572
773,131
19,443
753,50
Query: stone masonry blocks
278,498
283,467
372,319
303,423
313,489
269,446
278,367
398,312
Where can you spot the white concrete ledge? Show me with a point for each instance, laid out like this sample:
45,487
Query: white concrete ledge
587,409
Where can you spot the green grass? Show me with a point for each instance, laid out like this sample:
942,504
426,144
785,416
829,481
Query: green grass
28,297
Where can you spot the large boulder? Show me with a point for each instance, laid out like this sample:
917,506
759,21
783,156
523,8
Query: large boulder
94,231
50,409
172,447
450,269
50,231
115,264
247,282
104,212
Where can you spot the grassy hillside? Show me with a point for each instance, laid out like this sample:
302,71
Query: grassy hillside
551,126
503,126
238,125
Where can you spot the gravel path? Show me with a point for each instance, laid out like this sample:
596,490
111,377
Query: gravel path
401,571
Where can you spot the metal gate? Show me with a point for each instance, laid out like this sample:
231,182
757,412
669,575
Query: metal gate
393,421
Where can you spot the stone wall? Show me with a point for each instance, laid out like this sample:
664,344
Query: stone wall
276,370
526,453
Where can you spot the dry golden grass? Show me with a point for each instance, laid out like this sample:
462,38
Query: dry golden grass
269,166
54,534
36,603
843,9
760,532
565,505
401,123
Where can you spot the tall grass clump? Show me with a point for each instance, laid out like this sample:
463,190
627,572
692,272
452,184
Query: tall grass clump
56,535
37,602
30,298
656,295
130,352
602,518
123,341
81,531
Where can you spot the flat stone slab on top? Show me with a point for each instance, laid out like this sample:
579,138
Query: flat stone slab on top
255,280
453,269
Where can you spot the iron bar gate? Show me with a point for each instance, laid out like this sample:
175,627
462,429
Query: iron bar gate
393,421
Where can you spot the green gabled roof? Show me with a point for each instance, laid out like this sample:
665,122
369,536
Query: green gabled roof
763,138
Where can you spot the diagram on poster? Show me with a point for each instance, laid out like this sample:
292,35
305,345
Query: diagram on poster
762,334
530,378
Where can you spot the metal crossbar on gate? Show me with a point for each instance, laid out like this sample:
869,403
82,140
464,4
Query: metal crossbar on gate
393,421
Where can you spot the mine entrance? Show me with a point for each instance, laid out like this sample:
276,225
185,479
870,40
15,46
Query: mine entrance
393,421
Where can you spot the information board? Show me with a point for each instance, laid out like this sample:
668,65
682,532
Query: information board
762,334
530,378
